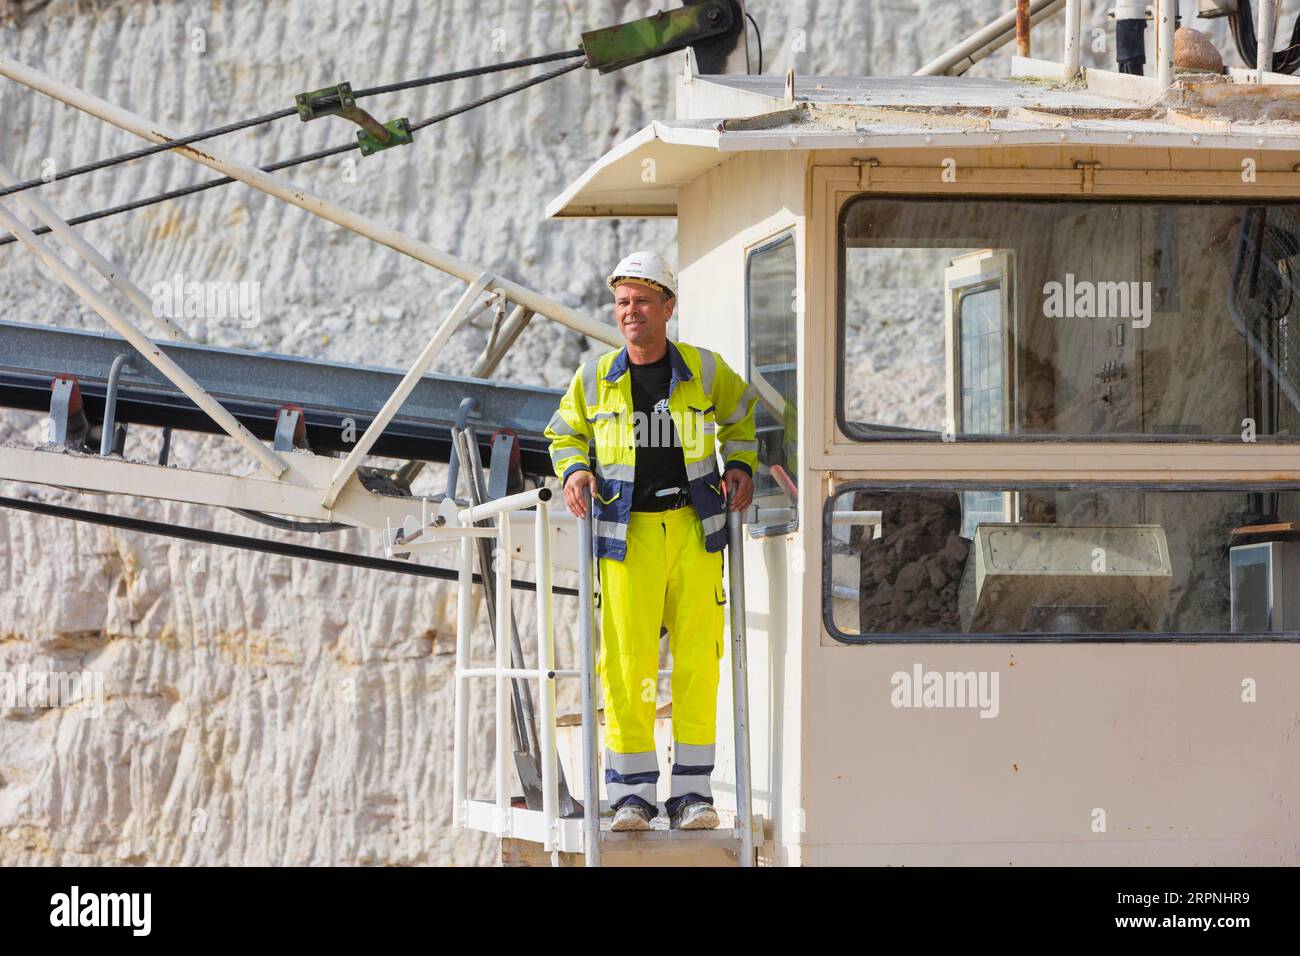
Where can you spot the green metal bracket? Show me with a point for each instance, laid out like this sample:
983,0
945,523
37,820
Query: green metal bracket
398,134
613,48
330,101
339,101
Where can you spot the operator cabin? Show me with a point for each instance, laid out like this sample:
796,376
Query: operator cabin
1031,356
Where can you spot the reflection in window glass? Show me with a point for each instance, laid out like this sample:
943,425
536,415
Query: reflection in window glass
893,349
980,324
1049,562
1125,320
983,405
1252,609
772,323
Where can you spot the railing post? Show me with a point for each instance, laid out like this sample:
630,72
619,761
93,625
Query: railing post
586,621
1166,18
546,677
1071,53
503,623
740,686
464,624
1264,29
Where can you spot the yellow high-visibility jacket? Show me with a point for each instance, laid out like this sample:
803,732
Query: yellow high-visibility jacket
705,399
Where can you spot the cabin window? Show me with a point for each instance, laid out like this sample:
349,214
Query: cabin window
772,312
990,319
1100,562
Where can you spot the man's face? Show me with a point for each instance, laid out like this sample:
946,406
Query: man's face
642,313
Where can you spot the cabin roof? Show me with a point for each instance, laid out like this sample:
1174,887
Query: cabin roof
943,92
719,116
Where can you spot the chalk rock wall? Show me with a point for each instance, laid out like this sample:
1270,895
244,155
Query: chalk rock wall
257,709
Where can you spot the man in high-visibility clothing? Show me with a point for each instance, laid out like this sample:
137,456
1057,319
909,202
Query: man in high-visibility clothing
654,409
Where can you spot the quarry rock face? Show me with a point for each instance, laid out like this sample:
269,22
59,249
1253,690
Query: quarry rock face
244,708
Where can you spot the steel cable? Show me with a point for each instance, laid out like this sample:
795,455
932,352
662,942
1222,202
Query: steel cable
297,160
278,115
220,538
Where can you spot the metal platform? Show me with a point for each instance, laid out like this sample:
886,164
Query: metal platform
658,846
253,385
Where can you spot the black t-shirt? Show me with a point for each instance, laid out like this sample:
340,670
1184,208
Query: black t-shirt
660,462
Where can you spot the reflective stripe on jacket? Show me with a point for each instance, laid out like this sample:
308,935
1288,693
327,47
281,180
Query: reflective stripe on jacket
705,399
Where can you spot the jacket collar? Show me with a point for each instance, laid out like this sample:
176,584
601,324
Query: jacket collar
681,372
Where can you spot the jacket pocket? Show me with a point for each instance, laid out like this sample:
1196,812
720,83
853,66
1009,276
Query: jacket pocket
608,491
696,430
704,417
606,429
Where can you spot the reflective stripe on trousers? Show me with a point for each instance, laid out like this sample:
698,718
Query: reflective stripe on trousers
666,578
631,776
692,765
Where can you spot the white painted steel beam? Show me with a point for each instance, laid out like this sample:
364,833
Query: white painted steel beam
296,495
113,273
404,388
268,459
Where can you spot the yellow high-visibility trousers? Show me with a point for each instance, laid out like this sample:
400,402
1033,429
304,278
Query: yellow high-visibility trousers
667,578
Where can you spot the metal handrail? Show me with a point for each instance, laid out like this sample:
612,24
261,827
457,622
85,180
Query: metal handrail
739,682
986,40
586,629
502,673
740,687
546,673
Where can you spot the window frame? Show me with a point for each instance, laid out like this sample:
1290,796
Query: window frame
787,233
1130,637
857,437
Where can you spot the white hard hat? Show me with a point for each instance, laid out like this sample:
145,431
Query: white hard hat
648,267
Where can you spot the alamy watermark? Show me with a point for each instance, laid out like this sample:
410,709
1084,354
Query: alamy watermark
665,428
32,689
955,689
1098,300
75,908
195,299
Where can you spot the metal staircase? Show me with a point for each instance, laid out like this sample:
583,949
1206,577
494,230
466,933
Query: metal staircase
555,826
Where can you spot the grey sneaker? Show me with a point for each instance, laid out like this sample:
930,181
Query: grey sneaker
696,815
631,816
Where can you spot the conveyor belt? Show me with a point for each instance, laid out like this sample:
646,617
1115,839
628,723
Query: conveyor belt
254,385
